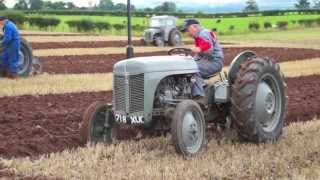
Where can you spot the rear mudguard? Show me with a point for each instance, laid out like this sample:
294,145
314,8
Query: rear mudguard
236,63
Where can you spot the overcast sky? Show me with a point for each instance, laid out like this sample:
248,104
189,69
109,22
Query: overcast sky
140,3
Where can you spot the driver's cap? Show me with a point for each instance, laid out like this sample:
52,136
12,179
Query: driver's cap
188,23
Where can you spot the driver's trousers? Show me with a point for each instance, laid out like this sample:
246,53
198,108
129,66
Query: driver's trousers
9,58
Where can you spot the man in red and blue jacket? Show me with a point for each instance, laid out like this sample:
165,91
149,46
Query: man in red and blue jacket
209,54
11,46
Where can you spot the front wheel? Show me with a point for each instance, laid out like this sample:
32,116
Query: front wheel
175,38
98,124
159,42
188,128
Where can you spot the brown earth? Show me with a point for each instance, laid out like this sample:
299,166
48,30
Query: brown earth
90,44
104,63
82,44
34,125
58,34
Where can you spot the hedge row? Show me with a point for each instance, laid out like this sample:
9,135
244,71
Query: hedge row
86,25
180,15
20,19
284,24
43,23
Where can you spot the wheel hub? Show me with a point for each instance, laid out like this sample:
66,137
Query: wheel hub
177,39
190,131
265,103
270,103
21,63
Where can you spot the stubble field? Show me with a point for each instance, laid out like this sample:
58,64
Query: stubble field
40,116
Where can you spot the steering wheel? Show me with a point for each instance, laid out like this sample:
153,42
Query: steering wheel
180,51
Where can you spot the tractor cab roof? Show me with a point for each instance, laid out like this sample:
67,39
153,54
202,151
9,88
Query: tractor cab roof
164,17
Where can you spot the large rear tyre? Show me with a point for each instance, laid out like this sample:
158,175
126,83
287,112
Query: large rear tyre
188,128
25,59
259,101
98,124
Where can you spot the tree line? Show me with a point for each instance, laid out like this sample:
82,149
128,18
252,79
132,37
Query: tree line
252,5
107,5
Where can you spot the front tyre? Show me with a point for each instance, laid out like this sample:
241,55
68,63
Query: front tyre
158,41
259,101
175,38
98,124
188,128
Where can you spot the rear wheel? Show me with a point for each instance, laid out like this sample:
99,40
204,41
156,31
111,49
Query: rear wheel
98,124
259,101
25,59
188,128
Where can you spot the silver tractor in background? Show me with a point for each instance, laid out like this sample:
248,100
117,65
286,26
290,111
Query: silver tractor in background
163,30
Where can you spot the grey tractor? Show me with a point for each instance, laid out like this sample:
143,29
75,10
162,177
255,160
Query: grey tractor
163,30
155,93
28,64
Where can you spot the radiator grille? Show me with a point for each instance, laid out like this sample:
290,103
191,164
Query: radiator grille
129,96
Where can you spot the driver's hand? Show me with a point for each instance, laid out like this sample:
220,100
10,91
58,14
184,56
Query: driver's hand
195,49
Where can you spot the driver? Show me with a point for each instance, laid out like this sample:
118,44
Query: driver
11,46
209,54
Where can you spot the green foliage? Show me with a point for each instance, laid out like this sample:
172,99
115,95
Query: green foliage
307,22
282,24
166,7
231,28
138,27
303,4
177,14
267,25
118,27
101,26
252,6
21,5
83,25
59,5
36,4
15,16
43,23
2,5
86,25
105,5
254,26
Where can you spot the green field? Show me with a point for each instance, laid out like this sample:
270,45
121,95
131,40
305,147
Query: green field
240,24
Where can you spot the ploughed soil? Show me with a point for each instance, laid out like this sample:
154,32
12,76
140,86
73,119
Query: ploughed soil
58,34
90,44
81,44
35,125
104,63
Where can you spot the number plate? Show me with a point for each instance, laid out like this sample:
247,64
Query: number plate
123,119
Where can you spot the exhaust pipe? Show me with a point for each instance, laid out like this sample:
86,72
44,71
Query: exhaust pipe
130,50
